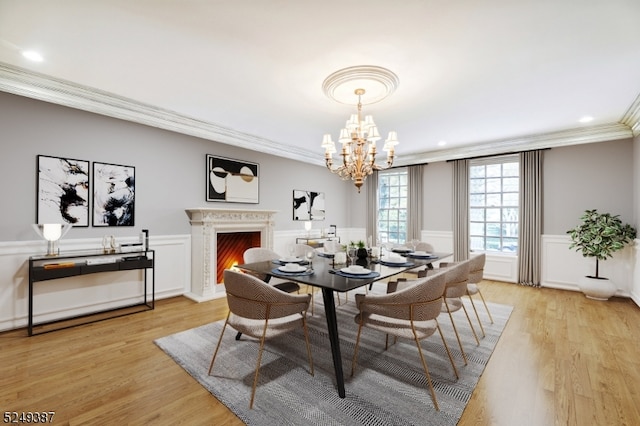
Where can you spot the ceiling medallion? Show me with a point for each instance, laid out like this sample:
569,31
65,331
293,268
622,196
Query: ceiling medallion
377,82
360,134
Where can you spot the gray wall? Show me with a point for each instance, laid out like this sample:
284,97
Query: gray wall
170,170
591,176
170,175
576,178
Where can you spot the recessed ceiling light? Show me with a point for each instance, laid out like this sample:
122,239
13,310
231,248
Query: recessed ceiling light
32,55
442,143
586,119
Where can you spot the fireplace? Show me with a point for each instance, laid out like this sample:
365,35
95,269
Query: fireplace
231,247
207,227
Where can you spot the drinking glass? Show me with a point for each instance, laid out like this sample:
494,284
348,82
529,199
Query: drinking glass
310,254
353,254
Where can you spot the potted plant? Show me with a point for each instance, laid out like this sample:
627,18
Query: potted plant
362,250
599,235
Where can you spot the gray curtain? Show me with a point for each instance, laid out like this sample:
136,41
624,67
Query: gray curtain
372,207
460,210
414,207
529,244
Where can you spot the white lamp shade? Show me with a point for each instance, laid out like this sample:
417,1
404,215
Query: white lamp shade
373,134
345,136
52,231
368,122
353,122
326,141
392,139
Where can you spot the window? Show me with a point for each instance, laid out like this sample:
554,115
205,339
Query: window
494,185
392,205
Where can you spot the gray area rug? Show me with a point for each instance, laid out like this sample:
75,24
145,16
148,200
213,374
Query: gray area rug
388,388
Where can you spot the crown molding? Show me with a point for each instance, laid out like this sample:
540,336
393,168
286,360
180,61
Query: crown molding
631,118
34,85
30,84
582,135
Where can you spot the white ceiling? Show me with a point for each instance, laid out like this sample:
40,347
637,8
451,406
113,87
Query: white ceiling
484,76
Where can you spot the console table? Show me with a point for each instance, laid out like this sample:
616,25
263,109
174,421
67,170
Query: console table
316,242
75,263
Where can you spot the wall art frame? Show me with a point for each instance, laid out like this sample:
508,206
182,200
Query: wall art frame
114,193
308,205
62,191
232,181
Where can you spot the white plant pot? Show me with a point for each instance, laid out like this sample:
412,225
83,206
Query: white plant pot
597,288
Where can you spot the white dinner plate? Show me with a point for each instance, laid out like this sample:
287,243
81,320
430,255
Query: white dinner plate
299,268
420,253
363,271
291,260
394,260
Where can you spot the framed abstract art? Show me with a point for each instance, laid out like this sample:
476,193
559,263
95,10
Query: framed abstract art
63,191
308,205
114,194
232,181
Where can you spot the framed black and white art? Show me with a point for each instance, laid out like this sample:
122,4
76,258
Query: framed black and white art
232,181
63,191
114,194
308,205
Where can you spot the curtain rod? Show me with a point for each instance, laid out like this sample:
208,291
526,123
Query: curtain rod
498,155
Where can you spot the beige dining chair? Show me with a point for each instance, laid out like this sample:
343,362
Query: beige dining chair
262,254
261,311
457,278
476,273
411,313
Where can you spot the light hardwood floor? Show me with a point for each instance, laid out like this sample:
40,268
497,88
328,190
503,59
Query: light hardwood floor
562,360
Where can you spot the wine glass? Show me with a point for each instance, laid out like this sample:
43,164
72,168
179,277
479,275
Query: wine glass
291,250
353,254
310,254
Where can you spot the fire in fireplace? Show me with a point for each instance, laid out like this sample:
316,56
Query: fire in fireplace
231,246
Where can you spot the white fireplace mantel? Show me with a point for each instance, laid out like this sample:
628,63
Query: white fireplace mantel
206,223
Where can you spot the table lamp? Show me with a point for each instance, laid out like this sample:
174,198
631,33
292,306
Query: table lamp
52,232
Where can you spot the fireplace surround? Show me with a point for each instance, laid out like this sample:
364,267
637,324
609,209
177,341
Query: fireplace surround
206,224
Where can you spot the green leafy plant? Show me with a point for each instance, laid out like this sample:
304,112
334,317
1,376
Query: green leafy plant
599,235
361,244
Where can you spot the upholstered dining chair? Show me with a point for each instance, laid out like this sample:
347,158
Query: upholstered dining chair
457,278
476,272
410,313
261,254
261,311
420,246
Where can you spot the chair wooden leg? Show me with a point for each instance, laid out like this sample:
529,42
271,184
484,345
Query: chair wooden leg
477,316
355,351
455,330
485,306
255,377
444,342
306,338
215,353
473,330
427,375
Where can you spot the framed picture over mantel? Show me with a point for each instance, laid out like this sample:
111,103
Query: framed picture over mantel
114,194
63,191
308,205
232,181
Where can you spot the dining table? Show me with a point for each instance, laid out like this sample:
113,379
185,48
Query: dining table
323,273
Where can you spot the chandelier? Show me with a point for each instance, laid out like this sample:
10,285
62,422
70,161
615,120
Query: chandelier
359,150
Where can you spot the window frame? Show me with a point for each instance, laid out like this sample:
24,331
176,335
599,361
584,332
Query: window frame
396,216
503,216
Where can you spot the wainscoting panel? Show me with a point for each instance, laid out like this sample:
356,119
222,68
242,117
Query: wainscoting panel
563,267
66,297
